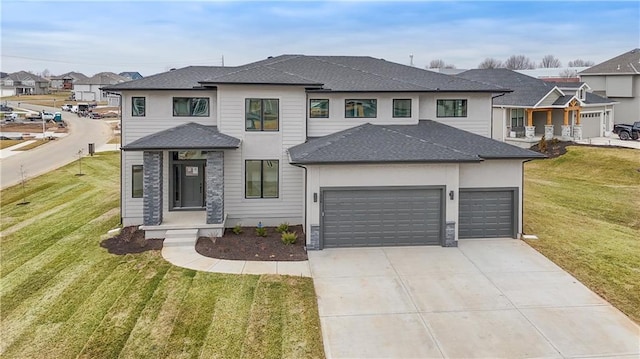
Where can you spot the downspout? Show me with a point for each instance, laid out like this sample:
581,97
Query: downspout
522,196
121,158
305,199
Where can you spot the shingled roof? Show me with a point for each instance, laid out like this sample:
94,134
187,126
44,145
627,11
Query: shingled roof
187,136
527,90
325,73
426,142
625,64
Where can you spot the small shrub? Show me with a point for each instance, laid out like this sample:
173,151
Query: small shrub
283,227
237,229
554,141
289,237
261,231
542,145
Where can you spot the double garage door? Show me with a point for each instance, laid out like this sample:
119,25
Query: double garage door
391,216
382,217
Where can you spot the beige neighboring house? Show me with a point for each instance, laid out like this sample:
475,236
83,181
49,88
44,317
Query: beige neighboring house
90,89
536,108
619,80
66,80
24,83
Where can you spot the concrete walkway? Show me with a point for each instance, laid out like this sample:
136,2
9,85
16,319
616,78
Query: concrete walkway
485,299
612,140
179,249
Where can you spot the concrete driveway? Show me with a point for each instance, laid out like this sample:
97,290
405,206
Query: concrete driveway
485,299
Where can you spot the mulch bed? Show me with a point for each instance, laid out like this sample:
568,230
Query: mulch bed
248,246
131,240
554,148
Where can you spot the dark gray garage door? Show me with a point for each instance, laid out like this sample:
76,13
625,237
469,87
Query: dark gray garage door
381,217
486,213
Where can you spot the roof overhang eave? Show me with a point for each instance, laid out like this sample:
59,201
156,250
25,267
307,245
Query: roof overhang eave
125,148
354,162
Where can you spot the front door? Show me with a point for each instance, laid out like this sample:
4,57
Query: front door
188,185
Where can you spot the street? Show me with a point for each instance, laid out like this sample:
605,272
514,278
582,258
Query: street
55,154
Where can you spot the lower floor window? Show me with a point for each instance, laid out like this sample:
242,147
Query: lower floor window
136,181
517,117
261,178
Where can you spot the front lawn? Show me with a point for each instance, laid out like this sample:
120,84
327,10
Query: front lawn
585,208
63,296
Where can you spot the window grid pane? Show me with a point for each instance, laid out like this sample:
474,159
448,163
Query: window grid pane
402,108
262,114
451,108
360,108
261,179
137,106
318,108
191,106
253,179
270,179
136,181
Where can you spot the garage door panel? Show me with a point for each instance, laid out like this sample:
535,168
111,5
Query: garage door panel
381,217
486,214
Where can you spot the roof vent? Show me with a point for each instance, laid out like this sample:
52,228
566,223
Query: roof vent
618,67
172,69
269,57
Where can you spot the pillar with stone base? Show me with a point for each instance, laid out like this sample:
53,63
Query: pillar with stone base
566,133
529,131
577,132
548,132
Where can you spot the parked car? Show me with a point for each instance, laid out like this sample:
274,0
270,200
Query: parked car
625,131
66,107
32,116
5,108
95,115
11,117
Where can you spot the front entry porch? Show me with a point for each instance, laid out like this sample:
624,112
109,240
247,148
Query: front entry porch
179,220
546,125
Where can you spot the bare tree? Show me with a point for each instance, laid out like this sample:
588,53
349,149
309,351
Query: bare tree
46,73
23,182
436,64
567,73
519,62
580,63
550,61
440,64
490,63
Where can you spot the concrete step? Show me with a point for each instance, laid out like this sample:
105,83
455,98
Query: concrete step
181,233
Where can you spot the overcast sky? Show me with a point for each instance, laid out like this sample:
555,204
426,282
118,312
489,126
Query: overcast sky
151,37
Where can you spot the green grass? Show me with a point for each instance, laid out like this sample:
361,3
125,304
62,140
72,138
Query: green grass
585,208
63,296
8,143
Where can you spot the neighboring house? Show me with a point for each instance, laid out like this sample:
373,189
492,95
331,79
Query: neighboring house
554,74
90,89
131,75
618,79
361,151
66,80
536,108
24,83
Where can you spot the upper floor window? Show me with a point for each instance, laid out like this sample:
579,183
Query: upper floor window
360,108
191,106
402,108
261,114
319,108
452,108
138,106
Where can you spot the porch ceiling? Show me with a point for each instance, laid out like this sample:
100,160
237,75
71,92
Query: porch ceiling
188,136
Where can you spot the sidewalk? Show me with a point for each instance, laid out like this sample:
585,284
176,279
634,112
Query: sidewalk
15,150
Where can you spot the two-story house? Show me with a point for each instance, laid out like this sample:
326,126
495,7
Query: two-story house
618,79
24,83
66,80
536,108
90,88
361,151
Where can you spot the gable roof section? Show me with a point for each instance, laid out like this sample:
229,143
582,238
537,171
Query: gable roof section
625,64
103,78
527,90
26,76
333,73
594,99
187,136
426,142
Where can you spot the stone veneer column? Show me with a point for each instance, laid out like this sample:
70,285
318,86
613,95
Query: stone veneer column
548,132
215,187
566,132
450,235
529,131
152,187
577,132
314,238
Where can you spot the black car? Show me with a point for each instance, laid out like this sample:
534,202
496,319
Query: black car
5,108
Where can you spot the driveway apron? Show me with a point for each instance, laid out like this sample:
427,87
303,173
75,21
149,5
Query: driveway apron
494,298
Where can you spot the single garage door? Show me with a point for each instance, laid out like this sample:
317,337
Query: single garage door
382,217
486,213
